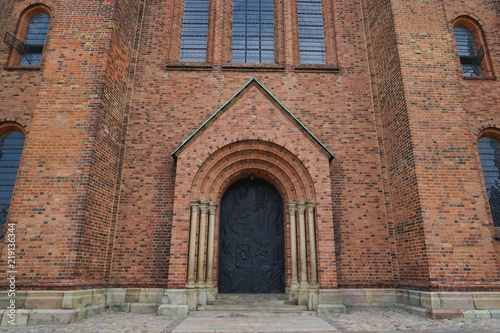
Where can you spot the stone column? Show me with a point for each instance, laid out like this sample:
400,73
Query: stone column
303,255
312,243
192,243
210,250
200,283
293,244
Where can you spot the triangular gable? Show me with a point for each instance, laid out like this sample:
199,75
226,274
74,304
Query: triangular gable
274,100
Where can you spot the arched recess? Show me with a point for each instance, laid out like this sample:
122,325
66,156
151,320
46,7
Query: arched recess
279,166
473,26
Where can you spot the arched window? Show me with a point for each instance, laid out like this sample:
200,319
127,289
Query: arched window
489,151
11,148
195,30
253,31
467,51
35,40
311,34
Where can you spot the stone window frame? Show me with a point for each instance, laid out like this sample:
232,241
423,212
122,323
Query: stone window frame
493,133
7,127
21,30
224,19
475,26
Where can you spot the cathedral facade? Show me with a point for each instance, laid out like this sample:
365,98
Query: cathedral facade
156,154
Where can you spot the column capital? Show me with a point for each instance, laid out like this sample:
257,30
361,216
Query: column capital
194,204
301,206
212,208
204,206
310,204
292,208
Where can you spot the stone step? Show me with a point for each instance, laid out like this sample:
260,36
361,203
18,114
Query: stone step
256,307
252,313
251,302
252,297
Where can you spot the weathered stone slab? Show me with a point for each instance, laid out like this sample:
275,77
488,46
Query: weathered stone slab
43,300
76,299
51,317
119,307
81,314
443,314
476,314
20,297
402,296
495,314
351,296
99,296
456,301
330,297
177,296
430,300
173,310
116,295
380,295
21,318
486,300
414,298
132,295
93,310
143,308
150,295
329,309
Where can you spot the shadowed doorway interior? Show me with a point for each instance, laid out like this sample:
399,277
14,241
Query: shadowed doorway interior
251,246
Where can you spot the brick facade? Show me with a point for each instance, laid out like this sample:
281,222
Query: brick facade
100,201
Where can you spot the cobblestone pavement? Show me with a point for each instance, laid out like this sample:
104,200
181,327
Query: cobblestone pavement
386,321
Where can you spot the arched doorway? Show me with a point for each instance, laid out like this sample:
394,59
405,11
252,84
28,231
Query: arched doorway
251,239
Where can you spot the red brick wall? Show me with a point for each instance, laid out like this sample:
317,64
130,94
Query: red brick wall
457,232
94,198
54,179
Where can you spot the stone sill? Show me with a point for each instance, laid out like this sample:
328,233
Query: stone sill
22,68
246,67
480,78
189,66
317,68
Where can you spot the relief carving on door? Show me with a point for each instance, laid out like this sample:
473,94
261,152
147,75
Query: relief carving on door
251,247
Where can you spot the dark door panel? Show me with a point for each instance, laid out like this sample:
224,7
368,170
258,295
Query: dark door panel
251,241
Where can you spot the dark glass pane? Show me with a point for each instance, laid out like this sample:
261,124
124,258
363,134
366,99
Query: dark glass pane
311,34
489,151
35,40
11,148
195,30
467,51
253,31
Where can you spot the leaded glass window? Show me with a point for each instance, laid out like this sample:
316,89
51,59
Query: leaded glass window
195,30
311,34
253,31
11,148
35,40
467,51
489,151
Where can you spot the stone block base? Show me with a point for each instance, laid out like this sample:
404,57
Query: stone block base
173,310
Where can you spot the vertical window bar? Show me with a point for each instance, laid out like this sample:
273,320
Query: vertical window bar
35,40
311,34
467,51
11,148
489,152
195,30
253,31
